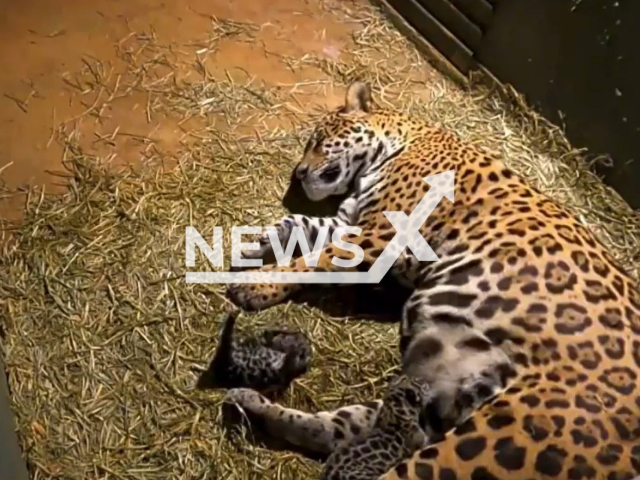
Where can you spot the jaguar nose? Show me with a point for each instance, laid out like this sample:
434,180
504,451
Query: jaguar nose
301,172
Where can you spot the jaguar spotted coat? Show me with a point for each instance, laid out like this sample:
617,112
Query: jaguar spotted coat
267,361
527,329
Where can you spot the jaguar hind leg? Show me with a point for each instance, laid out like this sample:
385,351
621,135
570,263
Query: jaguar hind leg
314,433
535,430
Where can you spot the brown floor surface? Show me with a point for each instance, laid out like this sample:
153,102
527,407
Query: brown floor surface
41,42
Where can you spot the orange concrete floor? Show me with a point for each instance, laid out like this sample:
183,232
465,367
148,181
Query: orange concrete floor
41,41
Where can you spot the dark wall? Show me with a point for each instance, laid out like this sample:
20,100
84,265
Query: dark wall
576,61
581,59
12,465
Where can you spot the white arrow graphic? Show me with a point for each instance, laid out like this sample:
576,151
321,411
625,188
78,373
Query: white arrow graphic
407,235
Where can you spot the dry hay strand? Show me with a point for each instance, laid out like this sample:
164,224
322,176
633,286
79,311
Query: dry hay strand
103,339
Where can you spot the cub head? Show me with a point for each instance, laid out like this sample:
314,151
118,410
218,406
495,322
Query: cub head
404,400
338,147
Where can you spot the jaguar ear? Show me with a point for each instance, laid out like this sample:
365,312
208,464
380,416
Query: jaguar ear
358,98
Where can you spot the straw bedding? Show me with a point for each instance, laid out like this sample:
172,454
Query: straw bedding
102,337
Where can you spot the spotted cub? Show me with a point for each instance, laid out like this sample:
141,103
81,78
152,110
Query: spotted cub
267,362
394,436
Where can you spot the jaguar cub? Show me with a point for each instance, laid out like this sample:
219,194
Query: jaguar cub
267,362
394,436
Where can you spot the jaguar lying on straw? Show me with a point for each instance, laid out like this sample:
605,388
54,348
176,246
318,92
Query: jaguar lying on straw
526,331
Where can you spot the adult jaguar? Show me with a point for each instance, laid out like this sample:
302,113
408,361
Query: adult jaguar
520,283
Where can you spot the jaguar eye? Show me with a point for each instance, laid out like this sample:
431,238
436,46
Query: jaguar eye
331,174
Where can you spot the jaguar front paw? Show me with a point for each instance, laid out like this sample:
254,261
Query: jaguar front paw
257,296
